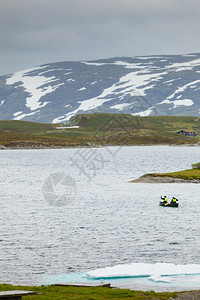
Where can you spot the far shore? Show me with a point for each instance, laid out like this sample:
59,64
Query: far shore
185,176
45,147
148,178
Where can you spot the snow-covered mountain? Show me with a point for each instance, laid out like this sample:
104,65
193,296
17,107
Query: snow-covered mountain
143,86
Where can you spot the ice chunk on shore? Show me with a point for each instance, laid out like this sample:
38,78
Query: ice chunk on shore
158,278
144,270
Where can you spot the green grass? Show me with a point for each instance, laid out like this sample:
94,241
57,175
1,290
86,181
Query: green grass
85,293
101,129
185,174
25,127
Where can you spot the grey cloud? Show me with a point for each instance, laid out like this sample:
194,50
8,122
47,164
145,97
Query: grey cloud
41,31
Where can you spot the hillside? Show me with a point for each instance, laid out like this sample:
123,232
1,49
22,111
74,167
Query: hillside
99,130
141,86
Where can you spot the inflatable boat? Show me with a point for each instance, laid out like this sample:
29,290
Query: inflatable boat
167,204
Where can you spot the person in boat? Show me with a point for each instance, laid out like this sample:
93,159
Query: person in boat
164,198
174,200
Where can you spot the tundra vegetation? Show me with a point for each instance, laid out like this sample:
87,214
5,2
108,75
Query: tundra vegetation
82,293
190,175
100,130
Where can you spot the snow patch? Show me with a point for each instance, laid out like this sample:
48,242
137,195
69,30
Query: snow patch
130,65
171,80
176,103
189,55
144,113
149,57
33,85
94,64
180,90
184,102
184,66
166,101
26,115
120,106
82,89
17,113
132,84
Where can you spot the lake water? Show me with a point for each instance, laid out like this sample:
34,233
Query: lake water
103,219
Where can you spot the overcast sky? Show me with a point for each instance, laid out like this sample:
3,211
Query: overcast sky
34,32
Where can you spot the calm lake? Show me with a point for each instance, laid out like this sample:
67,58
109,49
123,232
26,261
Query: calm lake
98,218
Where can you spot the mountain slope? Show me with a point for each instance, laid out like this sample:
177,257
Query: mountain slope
152,85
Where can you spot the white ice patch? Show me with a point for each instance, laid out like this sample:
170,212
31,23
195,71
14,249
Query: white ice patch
32,85
145,270
158,278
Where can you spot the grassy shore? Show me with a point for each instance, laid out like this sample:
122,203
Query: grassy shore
100,130
86,293
191,174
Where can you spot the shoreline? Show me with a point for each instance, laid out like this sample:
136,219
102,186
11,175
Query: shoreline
98,292
149,178
43,147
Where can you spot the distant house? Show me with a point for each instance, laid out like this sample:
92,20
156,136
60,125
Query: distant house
187,133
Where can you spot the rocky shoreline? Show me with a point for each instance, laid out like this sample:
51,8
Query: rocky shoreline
149,178
87,144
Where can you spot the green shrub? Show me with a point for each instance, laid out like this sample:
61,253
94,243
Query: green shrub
196,166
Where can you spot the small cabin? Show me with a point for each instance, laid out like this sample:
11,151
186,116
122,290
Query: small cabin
187,133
